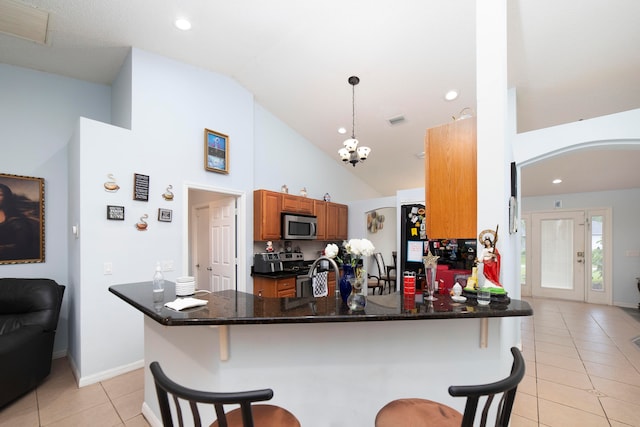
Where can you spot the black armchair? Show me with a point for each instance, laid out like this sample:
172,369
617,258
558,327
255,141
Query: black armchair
29,311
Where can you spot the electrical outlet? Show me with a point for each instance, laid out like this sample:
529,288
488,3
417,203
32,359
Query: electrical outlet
167,265
108,268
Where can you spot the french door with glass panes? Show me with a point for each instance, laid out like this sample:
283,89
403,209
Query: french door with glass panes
569,255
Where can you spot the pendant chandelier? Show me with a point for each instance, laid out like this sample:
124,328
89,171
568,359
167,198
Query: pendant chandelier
351,152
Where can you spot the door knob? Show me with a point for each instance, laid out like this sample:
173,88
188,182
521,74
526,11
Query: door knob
209,268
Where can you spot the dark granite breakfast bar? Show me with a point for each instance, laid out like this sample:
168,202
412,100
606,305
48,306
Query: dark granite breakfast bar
236,308
315,354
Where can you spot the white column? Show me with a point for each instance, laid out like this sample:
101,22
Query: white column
494,147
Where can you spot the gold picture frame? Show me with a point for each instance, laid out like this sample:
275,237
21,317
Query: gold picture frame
216,151
21,219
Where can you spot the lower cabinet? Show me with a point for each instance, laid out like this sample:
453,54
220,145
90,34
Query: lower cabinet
285,287
274,288
331,283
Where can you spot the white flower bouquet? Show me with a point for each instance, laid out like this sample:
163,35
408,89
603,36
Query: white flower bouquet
356,249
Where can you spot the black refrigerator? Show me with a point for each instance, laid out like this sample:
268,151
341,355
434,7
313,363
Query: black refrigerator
413,238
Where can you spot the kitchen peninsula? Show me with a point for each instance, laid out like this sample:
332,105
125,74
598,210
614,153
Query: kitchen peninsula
316,355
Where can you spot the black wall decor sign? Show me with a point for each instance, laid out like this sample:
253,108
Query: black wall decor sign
141,187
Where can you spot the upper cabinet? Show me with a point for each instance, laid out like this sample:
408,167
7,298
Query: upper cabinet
297,204
266,215
451,180
337,225
268,207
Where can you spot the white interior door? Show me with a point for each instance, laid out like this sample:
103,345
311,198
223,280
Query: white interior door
202,269
558,244
222,221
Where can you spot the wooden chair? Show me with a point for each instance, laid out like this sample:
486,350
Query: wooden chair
373,282
421,412
384,272
247,415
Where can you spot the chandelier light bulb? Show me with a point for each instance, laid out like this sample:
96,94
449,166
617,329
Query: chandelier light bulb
344,154
363,153
350,144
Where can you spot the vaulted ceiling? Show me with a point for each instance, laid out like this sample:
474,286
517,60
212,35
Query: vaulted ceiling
569,60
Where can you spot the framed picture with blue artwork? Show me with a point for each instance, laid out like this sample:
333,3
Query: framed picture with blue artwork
216,151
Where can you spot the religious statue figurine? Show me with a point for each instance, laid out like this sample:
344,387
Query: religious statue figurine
490,258
269,247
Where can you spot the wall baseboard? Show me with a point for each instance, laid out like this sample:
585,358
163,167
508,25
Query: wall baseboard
150,416
104,375
59,354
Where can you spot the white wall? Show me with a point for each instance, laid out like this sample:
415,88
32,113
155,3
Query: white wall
285,157
38,114
625,206
171,105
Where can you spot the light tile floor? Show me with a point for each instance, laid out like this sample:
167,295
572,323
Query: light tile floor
582,370
58,402
582,367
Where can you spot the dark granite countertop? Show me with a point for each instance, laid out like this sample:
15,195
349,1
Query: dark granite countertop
235,308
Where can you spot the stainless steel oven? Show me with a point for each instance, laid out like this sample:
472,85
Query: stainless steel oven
303,286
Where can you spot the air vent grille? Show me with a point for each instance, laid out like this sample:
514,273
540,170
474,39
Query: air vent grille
393,121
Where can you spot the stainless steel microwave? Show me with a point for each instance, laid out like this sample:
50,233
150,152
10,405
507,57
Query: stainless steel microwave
299,227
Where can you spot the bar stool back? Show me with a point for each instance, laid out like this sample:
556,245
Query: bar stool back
422,412
247,415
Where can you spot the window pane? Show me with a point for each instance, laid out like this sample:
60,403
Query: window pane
557,254
597,282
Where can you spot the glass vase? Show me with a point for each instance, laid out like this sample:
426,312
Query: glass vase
356,300
345,284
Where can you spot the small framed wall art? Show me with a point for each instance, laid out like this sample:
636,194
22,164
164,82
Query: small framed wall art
115,212
165,215
216,151
21,219
140,187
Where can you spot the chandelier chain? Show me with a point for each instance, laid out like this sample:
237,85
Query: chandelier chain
353,111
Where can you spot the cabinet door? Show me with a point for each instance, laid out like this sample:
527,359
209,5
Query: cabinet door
297,204
343,222
331,283
320,209
450,187
337,221
332,221
286,287
305,206
289,203
264,287
266,215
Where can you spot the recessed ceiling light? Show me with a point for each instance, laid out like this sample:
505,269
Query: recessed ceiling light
451,95
342,131
183,24
557,181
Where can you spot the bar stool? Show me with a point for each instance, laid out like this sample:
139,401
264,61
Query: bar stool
422,412
247,415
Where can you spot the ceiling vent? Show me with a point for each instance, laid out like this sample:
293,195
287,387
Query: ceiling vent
393,121
26,22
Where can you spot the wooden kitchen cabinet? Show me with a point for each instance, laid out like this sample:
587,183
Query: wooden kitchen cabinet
451,180
274,288
331,283
320,210
337,221
297,204
266,215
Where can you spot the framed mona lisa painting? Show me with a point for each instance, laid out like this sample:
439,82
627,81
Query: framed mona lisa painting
21,219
